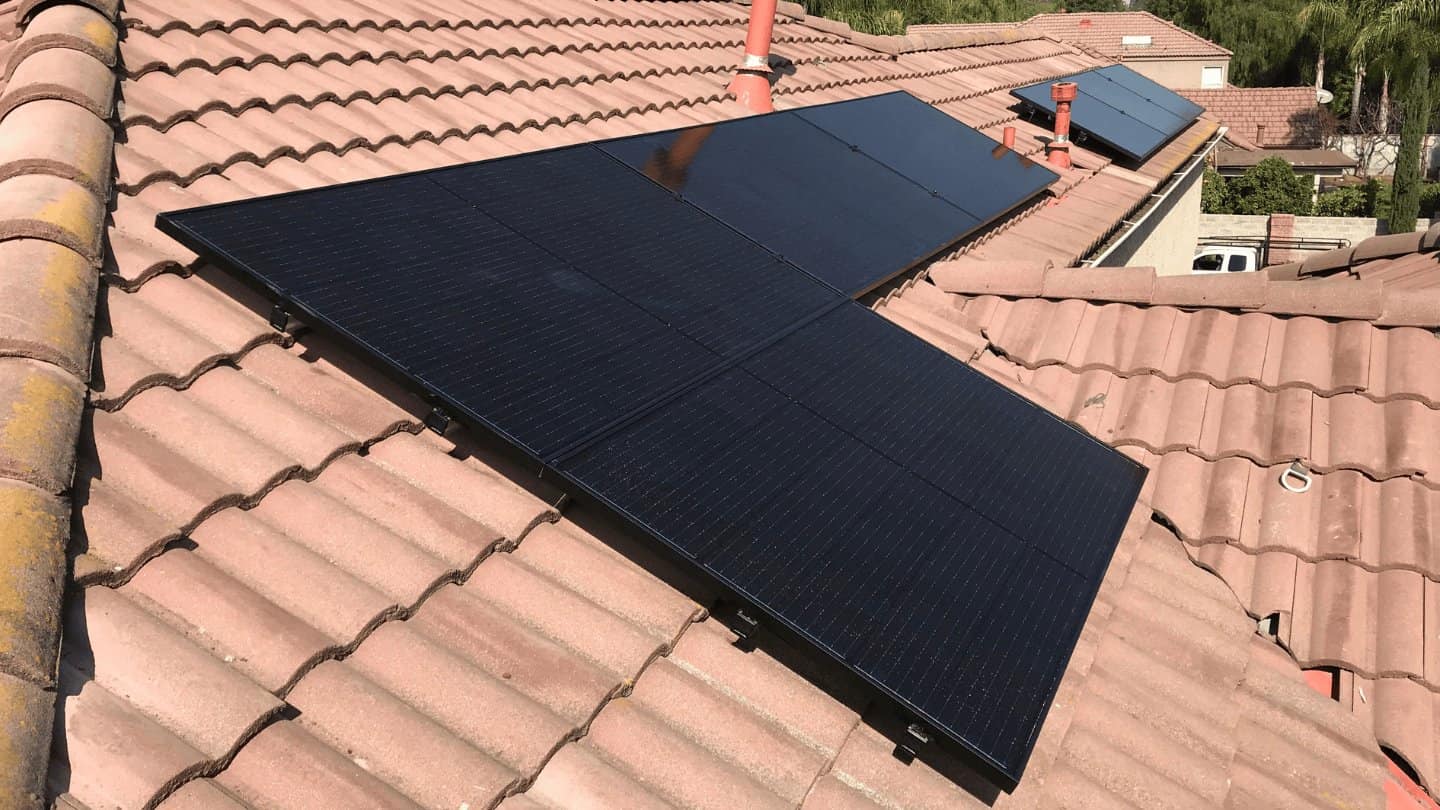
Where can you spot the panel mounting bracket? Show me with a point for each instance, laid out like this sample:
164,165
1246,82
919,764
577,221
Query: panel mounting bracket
745,628
279,316
916,736
438,420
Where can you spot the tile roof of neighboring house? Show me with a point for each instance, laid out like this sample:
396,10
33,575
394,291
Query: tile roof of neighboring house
1264,117
1219,384
1398,261
286,594
1104,33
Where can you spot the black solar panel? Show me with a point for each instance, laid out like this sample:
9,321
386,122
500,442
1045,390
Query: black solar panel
1120,108
967,169
903,178
919,525
917,521
1151,91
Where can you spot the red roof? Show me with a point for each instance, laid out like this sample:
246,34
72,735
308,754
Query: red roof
1401,261
1264,117
283,592
1106,33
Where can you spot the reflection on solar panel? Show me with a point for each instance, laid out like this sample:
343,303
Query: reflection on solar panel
915,524
1120,108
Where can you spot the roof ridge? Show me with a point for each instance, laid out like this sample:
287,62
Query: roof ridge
1334,261
897,44
54,191
1250,292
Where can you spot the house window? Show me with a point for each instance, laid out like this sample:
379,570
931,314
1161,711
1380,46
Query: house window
1212,77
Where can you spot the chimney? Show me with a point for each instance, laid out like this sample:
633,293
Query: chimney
1062,93
751,85
1009,138
1259,134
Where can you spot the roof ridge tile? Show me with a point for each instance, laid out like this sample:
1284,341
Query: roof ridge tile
1365,300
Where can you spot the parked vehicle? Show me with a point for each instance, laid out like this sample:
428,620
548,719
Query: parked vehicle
1226,259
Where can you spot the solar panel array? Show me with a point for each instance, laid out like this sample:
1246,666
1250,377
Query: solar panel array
686,350
1120,108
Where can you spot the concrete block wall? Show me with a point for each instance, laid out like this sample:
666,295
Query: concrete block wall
1355,229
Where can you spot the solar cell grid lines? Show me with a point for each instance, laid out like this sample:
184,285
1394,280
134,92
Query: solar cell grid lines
682,345
1120,108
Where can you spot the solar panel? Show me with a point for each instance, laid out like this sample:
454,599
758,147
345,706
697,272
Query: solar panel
788,179
966,168
1119,108
498,311
912,518
914,523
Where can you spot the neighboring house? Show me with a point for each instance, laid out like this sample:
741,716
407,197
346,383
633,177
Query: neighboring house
279,590
1264,122
1154,47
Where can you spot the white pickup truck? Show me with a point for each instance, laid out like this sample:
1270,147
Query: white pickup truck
1225,259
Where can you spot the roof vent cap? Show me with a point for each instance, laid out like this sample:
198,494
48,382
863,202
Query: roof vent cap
1086,22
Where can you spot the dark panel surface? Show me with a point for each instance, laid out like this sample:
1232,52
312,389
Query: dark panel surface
965,167
803,193
545,347
894,507
1120,108
1151,91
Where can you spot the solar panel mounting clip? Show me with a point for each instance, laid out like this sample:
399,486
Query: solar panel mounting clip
279,316
438,420
906,750
745,629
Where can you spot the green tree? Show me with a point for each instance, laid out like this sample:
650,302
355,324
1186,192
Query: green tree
1342,202
1270,187
1404,36
1332,24
1094,5
1214,193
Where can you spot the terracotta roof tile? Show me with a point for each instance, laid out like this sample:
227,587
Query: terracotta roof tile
1406,261
1264,117
335,603
1222,399
1100,32
66,26
55,326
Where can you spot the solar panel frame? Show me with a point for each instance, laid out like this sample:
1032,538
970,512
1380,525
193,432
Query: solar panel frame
743,358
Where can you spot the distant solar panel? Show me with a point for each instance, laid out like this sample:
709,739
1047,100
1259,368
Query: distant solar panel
1120,108
917,524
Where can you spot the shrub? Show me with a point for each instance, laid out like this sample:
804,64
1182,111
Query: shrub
1349,201
1270,187
1214,193
1430,201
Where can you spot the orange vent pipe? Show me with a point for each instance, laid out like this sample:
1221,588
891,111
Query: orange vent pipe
751,85
1062,93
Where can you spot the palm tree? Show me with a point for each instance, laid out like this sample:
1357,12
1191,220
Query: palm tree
1404,35
1332,20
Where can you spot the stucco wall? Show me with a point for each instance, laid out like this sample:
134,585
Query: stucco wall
1166,239
1178,74
1378,153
